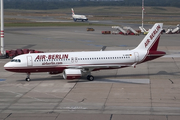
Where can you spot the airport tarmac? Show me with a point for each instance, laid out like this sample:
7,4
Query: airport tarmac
151,91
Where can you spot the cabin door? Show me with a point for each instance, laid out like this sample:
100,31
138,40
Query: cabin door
74,59
136,54
29,61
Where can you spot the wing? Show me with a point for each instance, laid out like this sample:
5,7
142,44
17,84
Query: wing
103,66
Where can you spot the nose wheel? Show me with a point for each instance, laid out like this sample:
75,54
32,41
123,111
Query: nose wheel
28,77
90,77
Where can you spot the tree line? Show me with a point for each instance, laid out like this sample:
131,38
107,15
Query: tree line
57,4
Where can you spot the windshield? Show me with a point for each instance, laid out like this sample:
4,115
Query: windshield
15,60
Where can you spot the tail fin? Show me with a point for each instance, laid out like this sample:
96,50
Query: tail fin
151,40
72,11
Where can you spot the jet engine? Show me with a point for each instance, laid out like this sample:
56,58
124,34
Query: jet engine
71,74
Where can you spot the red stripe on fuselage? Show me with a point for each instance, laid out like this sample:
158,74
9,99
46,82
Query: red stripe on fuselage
34,69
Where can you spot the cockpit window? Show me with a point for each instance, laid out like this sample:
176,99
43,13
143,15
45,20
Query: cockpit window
15,60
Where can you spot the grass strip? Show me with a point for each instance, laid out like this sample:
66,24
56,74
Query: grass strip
41,24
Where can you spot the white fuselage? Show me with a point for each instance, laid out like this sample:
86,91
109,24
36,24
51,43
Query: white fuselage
82,17
79,17
46,62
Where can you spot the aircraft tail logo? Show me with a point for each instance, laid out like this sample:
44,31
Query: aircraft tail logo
72,11
151,40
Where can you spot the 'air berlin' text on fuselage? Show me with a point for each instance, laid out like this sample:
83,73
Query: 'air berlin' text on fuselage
54,56
152,35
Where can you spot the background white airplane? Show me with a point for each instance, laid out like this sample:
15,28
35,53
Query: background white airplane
74,65
78,17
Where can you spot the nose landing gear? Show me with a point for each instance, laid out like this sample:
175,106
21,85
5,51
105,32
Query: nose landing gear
28,77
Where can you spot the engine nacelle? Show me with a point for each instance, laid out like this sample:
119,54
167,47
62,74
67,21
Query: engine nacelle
54,72
71,74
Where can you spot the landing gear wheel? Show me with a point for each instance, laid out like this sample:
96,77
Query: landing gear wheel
28,79
90,77
75,20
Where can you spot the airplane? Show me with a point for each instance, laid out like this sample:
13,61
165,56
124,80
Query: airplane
74,65
78,17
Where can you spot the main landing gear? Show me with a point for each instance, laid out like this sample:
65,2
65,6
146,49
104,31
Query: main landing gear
90,77
28,77
87,72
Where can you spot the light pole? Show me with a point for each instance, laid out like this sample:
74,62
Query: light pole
2,28
142,13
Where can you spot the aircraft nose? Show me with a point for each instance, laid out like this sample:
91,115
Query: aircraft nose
7,66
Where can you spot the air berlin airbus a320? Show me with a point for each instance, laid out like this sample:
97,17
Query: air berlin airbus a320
74,65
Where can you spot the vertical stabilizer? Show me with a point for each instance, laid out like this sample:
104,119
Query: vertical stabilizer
72,11
151,40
